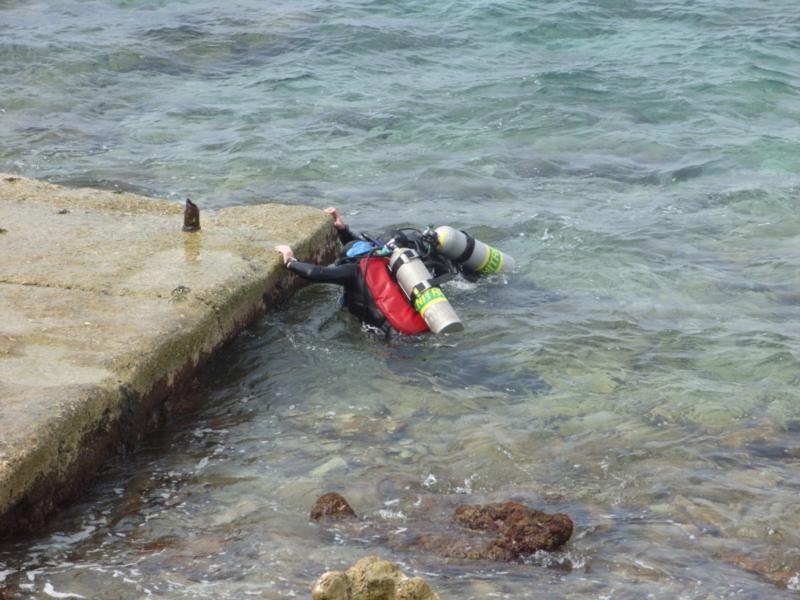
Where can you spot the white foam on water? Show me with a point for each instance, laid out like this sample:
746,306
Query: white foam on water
794,583
50,591
392,515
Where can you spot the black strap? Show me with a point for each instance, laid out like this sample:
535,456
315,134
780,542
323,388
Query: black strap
405,257
444,278
421,287
464,256
367,238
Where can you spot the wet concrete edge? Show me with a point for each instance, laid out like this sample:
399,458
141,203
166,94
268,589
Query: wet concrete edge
168,392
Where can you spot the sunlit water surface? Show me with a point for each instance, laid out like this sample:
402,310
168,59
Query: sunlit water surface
638,371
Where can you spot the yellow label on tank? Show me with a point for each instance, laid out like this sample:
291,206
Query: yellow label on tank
492,263
427,299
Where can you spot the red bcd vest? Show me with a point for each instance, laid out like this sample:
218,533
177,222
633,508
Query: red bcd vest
389,298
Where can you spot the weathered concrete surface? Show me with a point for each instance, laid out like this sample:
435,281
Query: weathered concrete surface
107,309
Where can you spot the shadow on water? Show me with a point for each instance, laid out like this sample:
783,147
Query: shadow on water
471,364
466,371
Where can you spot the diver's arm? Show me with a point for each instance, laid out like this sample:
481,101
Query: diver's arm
342,228
339,274
345,235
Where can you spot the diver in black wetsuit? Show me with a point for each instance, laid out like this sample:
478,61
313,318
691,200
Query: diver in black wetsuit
348,271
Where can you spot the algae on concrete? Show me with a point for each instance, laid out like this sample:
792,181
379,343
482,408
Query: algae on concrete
107,309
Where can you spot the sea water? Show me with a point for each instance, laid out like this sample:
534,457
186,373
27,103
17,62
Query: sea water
638,370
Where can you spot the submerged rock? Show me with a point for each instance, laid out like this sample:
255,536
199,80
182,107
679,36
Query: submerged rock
503,531
519,530
331,506
497,531
774,571
334,464
371,578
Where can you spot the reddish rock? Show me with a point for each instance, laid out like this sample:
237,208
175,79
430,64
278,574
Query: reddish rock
518,530
774,570
331,506
500,531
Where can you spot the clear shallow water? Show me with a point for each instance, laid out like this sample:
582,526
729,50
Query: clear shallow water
639,371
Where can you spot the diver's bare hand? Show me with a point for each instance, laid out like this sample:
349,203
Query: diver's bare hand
286,253
338,222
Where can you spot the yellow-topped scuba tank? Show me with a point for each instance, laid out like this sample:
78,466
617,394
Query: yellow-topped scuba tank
429,301
460,247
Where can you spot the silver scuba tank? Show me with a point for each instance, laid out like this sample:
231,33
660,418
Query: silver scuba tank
461,247
429,301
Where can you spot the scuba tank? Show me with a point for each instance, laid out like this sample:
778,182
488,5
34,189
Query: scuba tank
461,247
429,301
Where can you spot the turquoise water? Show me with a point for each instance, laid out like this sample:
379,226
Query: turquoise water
638,371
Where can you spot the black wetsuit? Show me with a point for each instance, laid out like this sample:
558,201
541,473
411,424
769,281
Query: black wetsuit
357,297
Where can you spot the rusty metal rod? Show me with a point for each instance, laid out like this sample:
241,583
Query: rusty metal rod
191,217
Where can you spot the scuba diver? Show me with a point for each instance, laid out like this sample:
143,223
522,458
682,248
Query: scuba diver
394,285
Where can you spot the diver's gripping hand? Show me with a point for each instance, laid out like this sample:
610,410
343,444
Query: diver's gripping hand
286,254
338,222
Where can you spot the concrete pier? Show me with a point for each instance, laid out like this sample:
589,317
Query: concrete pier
107,310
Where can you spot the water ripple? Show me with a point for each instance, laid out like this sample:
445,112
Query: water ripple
638,371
